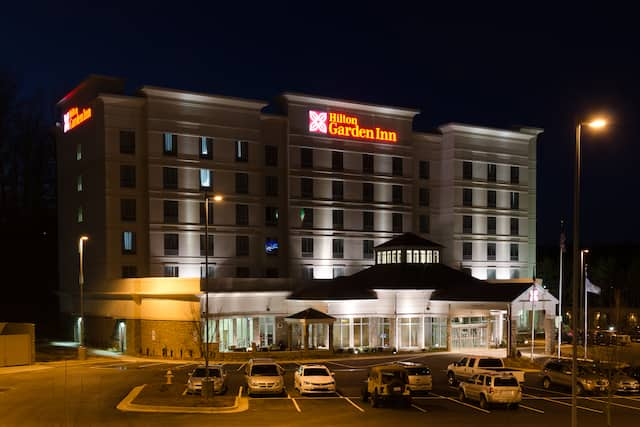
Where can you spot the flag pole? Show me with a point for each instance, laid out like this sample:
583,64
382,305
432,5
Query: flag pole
586,315
562,238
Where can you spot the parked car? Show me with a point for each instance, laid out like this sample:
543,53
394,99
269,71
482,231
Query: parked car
264,376
589,379
387,383
216,373
314,379
420,378
621,382
490,389
469,366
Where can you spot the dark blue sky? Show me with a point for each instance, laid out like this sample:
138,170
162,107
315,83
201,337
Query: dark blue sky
495,68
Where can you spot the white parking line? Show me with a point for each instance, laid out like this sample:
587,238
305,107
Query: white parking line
555,400
352,403
294,402
240,368
463,403
151,364
613,403
184,393
540,411
419,408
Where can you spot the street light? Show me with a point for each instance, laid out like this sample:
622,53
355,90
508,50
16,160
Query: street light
595,124
82,354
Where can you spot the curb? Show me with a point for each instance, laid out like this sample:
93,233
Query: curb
241,404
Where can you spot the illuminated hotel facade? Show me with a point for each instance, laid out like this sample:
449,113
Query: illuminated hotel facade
310,187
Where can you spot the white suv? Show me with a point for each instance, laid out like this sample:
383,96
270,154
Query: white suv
264,376
489,389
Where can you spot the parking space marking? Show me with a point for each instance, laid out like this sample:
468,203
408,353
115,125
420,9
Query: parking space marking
294,402
152,364
418,408
540,411
352,402
184,393
241,366
464,403
613,403
555,400
184,366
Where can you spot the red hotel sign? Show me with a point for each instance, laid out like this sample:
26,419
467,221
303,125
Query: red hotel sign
340,124
74,118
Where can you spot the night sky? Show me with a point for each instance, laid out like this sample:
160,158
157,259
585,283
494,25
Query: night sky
500,68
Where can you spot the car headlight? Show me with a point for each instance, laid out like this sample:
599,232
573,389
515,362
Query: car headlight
589,382
306,382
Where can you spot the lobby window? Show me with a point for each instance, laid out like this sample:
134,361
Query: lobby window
170,178
467,197
171,245
242,245
515,200
515,273
129,271
467,251
203,249
169,144
338,248
79,151
337,190
491,198
242,214
127,176
491,251
307,247
367,249
396,168
491,172
80,214
203,270
206,148
367,192
367,221
171,271
271,186
306,188
128,242
306,158
396,194
206,179
367,164
515,175
306,215
423,223
467,170
243,272
491,274
338,271
128,209
513,252
424,169
396,222
242,151
338,219
423,198
242,183
127,142
79,187
271,216
467,224
271,155
337,161
170,211
203,210
515,227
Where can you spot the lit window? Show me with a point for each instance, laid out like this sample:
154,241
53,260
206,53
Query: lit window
393,257
423,256
79,152
379,257
429,257
409,258
205,178
242,151
436,257
79,185
416,256
170,144
128,242
80,214
206,147
384,257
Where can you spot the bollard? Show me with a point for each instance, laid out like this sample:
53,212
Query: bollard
169,375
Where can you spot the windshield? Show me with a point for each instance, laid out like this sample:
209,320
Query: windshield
316,372
201,372
265,370
422,370
505,382
390,376
490,363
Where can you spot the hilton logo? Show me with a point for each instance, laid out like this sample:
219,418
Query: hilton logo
317,121
345,125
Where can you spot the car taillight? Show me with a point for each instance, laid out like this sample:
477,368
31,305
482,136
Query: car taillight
490,390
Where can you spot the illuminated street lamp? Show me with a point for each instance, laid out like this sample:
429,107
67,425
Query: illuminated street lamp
81,349
595,124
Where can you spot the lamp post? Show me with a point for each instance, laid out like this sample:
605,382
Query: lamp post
576,267
82,354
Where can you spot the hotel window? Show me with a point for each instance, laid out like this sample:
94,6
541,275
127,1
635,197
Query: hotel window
360,331
79,151
202,213
242,214
127,176
337,190
467,170
206,147
337,160
306,158
169,144
127,142
306,188
306,215
129,271
424,169
242,245
271,216
367,249
79,183
307,247
170,178
242,151
367,163
171,271
515,273
513,252
491,198
491,225
467,224
271,186
338,248
271,155
491,274
203,249
409,328
243,272
242,183
424,223
210,266
338,219
338,271
396,194
515,200
515,226
171,245
515,175
467,251
307,272
491,251
128,209
491,172
436,257
80,214
128,242
467,197
341,333
396,166
206,179
396,222
170,210
367,221
423,198
367,192
409,256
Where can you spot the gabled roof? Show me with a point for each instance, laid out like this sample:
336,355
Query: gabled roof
409,239
310,314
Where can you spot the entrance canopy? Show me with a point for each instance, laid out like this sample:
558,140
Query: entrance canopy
305,319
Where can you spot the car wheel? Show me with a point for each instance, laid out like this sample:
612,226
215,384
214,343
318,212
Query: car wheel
462,396
483,402
546,383
375,402
451,378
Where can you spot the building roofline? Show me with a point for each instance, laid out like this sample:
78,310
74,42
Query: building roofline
204,98
525,133
298,98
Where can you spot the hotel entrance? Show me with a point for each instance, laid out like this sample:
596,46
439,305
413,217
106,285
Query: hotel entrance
469,332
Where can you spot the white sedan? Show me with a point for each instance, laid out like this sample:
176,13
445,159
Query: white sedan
314,379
